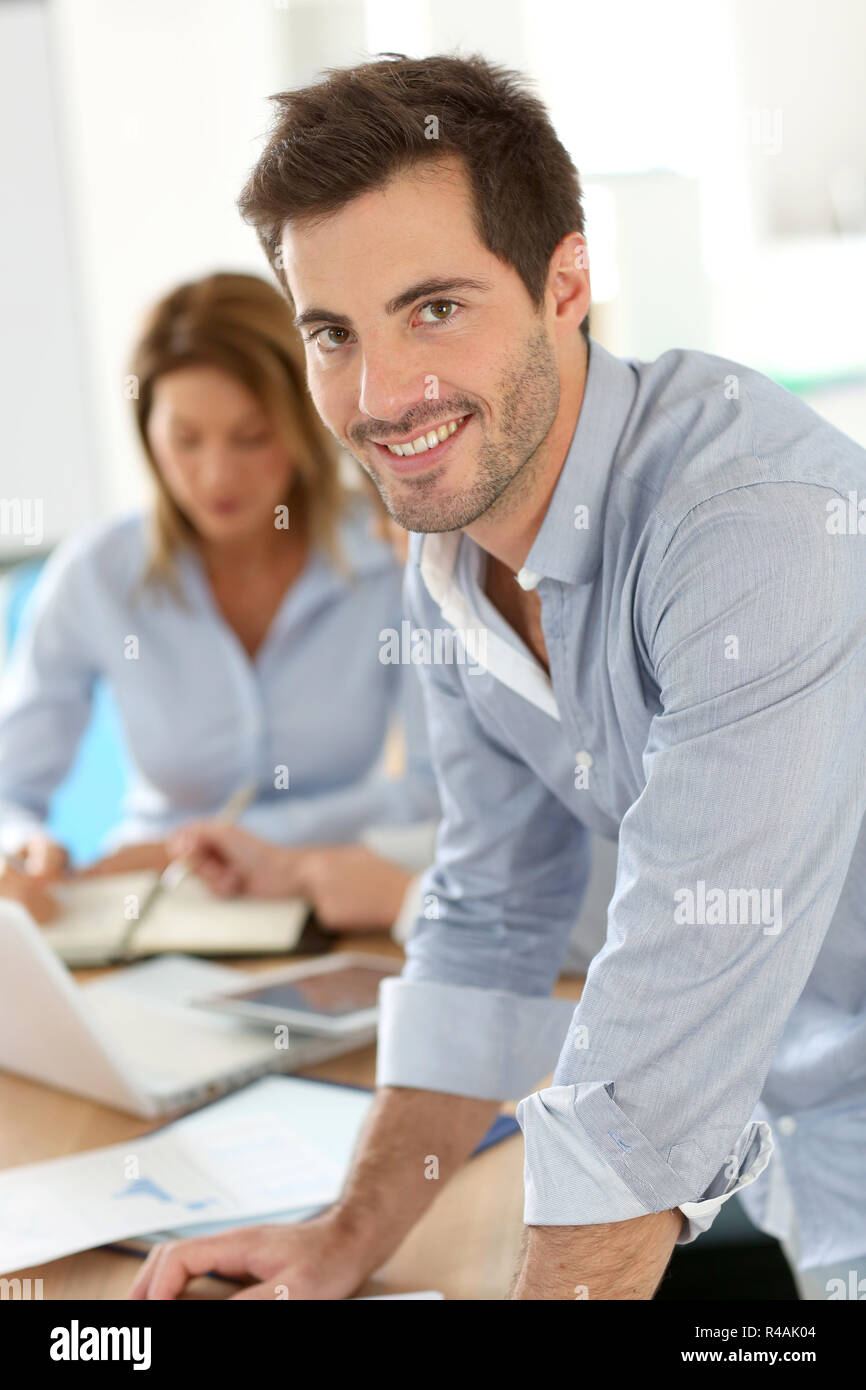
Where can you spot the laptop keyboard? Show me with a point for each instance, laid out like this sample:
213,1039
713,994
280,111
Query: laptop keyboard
166,1044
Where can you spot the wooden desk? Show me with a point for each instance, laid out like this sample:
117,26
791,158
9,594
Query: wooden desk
466,1245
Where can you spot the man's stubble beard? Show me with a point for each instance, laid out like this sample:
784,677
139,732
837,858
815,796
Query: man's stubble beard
504,467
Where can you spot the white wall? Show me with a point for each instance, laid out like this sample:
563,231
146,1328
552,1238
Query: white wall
47,457
162,108
163,104
801,69
760,104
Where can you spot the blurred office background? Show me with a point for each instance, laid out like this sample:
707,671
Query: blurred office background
722,145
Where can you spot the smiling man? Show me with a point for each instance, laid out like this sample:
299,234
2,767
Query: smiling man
675,657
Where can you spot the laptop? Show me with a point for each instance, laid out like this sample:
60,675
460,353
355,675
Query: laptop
129,1039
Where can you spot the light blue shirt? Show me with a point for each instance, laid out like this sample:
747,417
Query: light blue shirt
305,719
702,581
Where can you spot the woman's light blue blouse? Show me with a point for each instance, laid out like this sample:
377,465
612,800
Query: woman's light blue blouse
305,719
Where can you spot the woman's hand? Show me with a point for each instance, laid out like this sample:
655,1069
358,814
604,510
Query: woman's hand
29,891
129,859
231,861
42,858
351,888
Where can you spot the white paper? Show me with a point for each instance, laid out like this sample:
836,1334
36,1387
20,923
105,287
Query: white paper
279,1144
96,913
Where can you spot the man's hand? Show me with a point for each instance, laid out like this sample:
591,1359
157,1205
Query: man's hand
386,1191
317,1259
29,891
129,859
617,1260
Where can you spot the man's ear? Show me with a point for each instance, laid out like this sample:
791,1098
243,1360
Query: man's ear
568,280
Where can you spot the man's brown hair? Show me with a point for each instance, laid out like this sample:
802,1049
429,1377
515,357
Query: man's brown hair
359,127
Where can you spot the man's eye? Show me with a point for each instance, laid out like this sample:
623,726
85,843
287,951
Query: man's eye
316,337
435,305
441,311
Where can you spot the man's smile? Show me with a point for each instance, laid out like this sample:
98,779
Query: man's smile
424,448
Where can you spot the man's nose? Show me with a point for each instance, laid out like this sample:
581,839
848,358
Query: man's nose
391,386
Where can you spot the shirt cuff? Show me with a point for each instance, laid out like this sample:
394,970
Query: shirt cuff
467,1041
587,1163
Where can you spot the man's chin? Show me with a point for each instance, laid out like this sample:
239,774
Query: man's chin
430,520
424,526
426,507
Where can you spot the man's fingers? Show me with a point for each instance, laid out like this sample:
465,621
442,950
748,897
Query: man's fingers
262,1293
169,1268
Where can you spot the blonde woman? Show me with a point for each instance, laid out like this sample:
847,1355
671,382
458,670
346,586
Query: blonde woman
237,622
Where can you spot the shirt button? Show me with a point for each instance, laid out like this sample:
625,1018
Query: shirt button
786,1124
527,579
583,759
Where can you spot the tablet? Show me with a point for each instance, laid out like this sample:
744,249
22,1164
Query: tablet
330,997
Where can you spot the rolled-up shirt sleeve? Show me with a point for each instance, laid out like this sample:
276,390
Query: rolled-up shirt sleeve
472,1013
731,862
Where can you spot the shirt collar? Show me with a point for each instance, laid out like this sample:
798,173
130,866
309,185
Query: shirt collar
562,550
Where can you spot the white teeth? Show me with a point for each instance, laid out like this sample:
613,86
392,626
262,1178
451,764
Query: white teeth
426,441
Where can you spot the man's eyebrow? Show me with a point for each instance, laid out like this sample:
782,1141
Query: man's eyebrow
424,289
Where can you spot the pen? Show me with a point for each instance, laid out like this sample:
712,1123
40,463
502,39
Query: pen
174,873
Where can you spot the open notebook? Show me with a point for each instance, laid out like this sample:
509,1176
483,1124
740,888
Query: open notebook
96,913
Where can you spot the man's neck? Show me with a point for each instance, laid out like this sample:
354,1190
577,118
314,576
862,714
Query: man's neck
509,528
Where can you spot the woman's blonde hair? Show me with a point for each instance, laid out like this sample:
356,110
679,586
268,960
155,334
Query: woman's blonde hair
242,325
